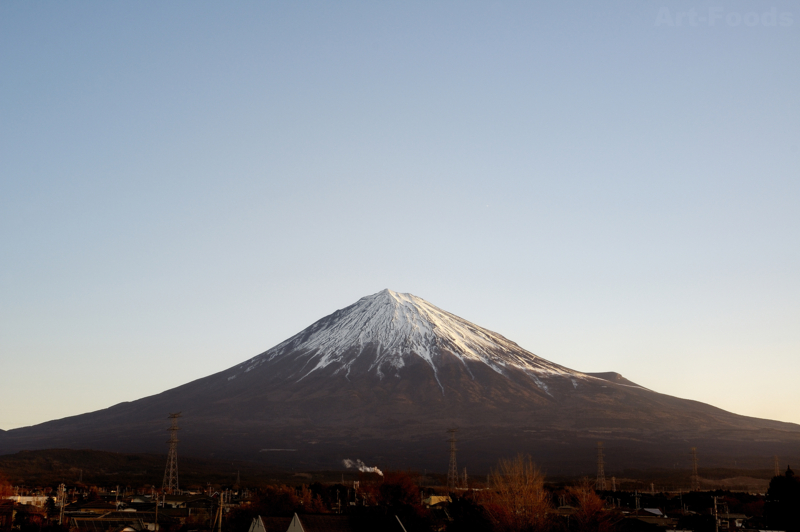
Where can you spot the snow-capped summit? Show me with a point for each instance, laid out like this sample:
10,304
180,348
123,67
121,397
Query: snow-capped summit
383,332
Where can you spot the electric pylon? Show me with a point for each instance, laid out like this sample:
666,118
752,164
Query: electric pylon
170,484
695,476
452,472
600,483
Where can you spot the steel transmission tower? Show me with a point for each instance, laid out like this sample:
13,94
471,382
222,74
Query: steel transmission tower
600,483
695,476
452,472
170,484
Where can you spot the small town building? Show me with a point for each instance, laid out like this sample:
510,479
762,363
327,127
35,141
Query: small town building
102,524
433,500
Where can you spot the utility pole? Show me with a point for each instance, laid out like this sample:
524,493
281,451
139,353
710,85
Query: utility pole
695,476
62,495
221,504
777,467
716,517
163,502
452,472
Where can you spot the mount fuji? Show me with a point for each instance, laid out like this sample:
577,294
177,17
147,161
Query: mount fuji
382,380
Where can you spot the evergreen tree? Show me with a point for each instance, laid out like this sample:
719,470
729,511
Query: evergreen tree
50,508
783,502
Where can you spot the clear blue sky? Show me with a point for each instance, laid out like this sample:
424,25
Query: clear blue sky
612,185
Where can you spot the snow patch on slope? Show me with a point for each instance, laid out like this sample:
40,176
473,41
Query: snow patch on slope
399,326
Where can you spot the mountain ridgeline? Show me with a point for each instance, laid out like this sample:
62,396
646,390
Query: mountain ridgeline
383,379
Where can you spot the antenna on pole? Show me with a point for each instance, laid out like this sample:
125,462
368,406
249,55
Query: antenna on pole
600,483
62,495
170,484
452,472
695,476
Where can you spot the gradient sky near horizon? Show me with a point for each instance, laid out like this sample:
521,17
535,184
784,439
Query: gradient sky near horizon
612,185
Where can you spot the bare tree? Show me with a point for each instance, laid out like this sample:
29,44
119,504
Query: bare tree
591,515
5,488
517,500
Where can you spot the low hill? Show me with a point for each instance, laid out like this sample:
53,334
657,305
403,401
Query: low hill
50,467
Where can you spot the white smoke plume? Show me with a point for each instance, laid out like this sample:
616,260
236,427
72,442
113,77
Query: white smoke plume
361,466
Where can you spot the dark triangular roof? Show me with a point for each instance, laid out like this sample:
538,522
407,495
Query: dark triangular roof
275,524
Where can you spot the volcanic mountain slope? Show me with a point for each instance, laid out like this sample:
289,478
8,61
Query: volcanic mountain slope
384,377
